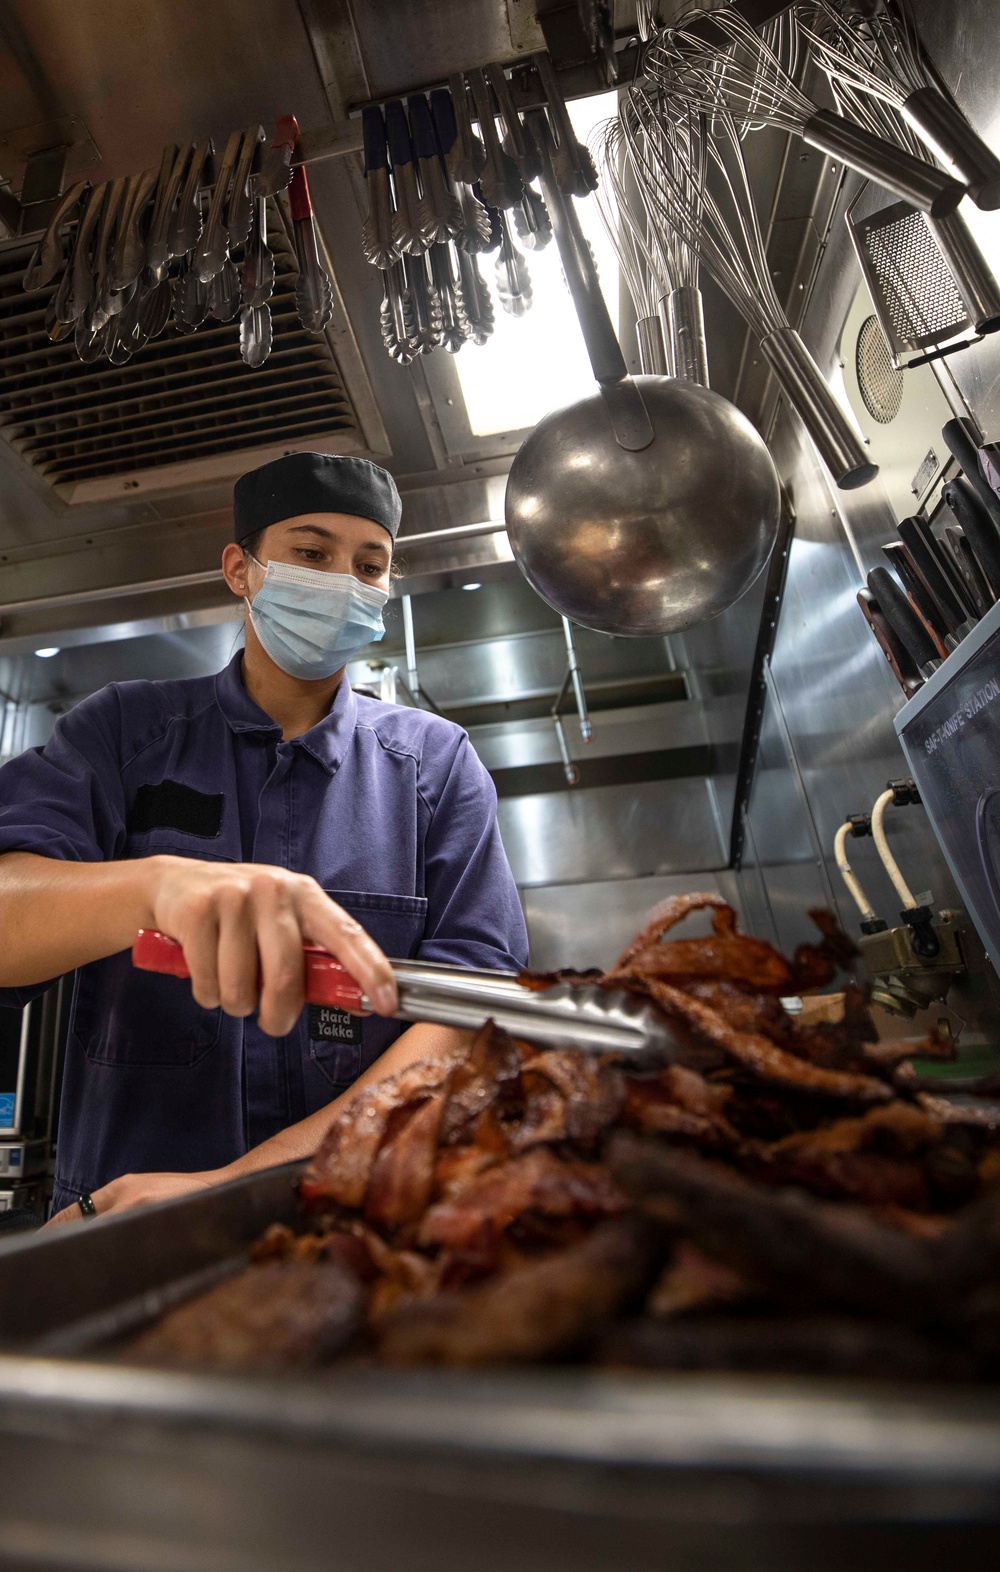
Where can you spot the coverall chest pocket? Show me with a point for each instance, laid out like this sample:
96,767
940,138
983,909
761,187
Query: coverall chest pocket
342,1046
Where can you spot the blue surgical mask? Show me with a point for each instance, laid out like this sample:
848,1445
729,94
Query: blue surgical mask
312,623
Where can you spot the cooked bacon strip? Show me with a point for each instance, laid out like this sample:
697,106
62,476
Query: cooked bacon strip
805,1250
490,1077
680,1102
746,1012
402,1174
569,1097
693,1281
546,1308
269,1316
340,1170
666,916
898,1128
539,1181
757,1053
732,958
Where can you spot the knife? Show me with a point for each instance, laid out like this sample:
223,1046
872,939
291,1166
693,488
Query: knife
963,442
964,561
978,527
900,663
899,558
903,621
929,566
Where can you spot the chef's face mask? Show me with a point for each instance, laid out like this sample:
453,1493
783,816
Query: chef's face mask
312,623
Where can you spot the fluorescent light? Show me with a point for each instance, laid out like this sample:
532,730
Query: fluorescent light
48,652
472,586
536,363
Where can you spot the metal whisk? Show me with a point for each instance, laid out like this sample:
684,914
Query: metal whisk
929,279
665,266
881,57
718,220
626,229
715,61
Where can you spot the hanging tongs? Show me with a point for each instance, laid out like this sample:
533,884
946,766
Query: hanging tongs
585,1018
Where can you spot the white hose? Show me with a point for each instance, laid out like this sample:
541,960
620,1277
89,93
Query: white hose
882,845
860,899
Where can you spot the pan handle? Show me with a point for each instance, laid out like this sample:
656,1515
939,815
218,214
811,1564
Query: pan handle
629,417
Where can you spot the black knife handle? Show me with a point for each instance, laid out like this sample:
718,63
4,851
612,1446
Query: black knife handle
898,558
963,443
982,535
964,558
903,620
927,566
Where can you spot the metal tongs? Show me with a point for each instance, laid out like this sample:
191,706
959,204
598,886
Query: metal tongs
587,1018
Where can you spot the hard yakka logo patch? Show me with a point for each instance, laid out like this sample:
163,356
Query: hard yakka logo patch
327,1024
170,805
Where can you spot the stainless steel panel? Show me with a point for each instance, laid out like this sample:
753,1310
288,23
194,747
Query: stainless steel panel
643,729
611,832
590,924
406,45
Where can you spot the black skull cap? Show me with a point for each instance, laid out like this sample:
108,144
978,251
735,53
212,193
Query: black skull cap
314,483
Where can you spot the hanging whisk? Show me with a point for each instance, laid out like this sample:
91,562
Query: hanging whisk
881,57
947,285
718,220
664,264
715,61
625,227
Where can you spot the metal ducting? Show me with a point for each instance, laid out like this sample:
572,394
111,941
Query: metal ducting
188,399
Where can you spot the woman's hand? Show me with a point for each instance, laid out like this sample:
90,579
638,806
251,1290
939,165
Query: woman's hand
242,927
121,1195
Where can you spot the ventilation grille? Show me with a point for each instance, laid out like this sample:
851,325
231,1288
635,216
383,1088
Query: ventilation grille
879,380
184,398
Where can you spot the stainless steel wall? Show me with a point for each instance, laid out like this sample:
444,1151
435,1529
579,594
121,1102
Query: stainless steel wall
828,745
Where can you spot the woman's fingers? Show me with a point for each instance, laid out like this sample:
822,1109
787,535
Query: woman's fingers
326,923
238,964
282,967
201,951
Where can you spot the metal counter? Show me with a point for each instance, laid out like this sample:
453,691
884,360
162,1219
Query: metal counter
362,1469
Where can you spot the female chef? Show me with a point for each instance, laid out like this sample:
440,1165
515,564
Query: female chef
244,814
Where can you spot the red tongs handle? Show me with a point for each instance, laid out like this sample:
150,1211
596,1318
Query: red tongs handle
326,980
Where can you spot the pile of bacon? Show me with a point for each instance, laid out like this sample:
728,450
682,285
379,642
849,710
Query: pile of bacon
784,1196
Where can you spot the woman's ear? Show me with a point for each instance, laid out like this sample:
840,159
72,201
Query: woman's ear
235,566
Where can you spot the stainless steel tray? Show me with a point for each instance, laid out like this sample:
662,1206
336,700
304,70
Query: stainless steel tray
360,1468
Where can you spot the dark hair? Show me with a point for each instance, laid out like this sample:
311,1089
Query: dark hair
251,543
